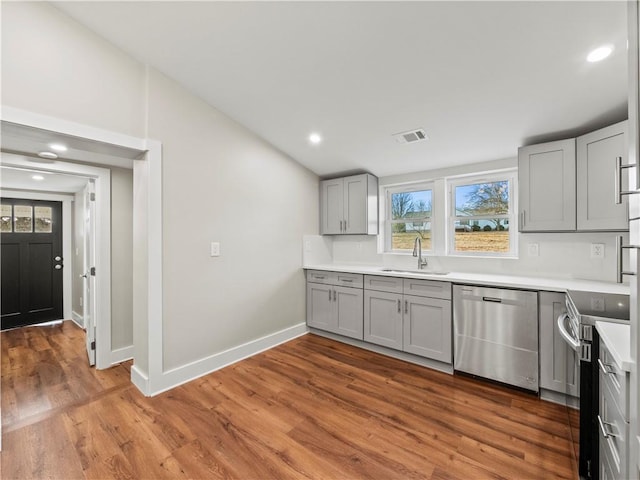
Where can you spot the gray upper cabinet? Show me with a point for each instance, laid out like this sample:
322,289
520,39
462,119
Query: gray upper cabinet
349,205
547,186
596,155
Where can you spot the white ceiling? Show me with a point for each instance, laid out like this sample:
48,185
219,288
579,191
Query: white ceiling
482,78
22,179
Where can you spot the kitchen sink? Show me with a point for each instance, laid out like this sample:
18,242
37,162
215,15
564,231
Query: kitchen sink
413,272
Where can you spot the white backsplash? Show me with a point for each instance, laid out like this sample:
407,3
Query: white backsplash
560,255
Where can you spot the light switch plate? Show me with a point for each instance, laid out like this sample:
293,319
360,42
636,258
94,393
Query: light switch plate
597,250
215,249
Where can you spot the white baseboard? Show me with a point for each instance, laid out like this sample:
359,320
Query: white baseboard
140,380
186,373
121,355
78,319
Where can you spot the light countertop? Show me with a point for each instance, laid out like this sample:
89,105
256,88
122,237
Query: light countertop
617,338
508,281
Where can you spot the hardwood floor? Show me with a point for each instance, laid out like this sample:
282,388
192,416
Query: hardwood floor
311,408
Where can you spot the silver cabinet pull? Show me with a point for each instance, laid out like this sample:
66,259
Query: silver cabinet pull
619,248
406,306
58,258
606,368
329,294
345,226
603,428
522,218
399,306
618,181
350,280
58,267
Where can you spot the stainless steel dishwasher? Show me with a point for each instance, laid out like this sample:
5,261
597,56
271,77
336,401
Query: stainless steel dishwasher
496,334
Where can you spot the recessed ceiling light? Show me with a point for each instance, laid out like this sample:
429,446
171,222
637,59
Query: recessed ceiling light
58,147
315,138
47,155
599,53
37,177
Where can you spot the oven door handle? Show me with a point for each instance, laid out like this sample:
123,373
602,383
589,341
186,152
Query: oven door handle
573,342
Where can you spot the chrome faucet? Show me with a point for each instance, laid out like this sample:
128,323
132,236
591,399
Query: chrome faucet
417,252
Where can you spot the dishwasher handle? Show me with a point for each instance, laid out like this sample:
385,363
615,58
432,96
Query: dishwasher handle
573,342
492,299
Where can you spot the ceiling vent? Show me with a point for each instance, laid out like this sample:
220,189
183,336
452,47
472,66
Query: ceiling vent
411,136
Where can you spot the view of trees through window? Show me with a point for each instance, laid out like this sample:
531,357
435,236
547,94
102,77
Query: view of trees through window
411,217
481,221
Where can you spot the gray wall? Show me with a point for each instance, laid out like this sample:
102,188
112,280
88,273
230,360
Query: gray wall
220,183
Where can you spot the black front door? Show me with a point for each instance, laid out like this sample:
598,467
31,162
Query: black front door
31,261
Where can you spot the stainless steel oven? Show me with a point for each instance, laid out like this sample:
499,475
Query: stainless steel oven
577,327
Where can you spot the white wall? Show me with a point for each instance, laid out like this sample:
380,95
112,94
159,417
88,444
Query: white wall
224,184
565,255
52,66
220,183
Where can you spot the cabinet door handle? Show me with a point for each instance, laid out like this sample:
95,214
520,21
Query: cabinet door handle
406,306
618,180
334,295
345,226
603,428
399,306
522,218
329,294
606,368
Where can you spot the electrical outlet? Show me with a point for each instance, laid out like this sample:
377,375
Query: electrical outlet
215,249
533,249
597,304
597,250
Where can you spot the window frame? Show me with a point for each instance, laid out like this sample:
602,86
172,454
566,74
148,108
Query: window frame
509,176
389,190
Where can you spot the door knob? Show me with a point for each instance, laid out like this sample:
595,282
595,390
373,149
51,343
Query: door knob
58,267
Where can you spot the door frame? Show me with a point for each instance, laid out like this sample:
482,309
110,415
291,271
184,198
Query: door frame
147,371
102,178
67,254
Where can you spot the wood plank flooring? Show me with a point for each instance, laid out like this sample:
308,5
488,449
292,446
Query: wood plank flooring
311,408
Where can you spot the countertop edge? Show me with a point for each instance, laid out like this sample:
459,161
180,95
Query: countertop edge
508,281
617,338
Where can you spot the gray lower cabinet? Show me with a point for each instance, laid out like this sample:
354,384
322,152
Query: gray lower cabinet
416,324
383,318
427,327
334,307
559,364
613,417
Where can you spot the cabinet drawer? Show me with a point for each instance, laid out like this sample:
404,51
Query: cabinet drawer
427,288
615,379
383,284
614,429
348,279
319,276
335,278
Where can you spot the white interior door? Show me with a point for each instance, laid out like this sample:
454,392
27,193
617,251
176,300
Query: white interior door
89,292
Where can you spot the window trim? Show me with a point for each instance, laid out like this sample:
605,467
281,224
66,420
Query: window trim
389,190
510,176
